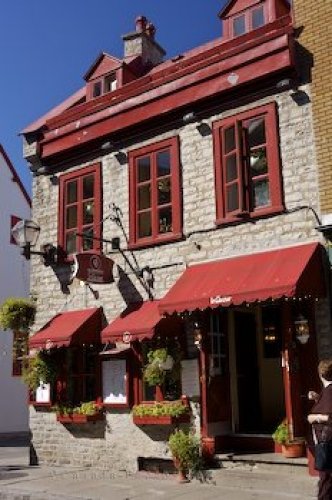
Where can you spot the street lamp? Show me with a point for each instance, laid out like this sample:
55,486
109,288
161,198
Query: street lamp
26,234
302,330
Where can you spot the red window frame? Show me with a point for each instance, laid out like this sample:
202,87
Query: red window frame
79,175
151,151
243,180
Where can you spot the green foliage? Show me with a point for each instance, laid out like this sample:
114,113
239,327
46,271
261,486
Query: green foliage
17,314
281,434
153,373
173,409
186,451
39,368
88,408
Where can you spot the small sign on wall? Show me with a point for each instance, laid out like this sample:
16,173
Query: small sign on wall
190,377
114,374
43,393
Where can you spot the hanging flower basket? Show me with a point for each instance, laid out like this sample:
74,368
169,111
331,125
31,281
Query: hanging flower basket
17,314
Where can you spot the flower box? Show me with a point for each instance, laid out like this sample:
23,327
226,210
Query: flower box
161,420
78,418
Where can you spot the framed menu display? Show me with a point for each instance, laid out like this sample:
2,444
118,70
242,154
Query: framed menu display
43,393
114,373
190,377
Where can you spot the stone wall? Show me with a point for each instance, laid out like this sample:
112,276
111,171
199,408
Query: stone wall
198,191
202,241
113,444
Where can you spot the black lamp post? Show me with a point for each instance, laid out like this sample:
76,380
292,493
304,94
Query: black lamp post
26,234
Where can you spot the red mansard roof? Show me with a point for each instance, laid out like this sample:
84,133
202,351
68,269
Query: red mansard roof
196,75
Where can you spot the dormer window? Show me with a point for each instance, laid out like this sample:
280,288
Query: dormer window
104,85
249,20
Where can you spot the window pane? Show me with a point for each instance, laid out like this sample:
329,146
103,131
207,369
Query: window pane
144,225
71,243
88,242
88,208
88,184
110,83
163,163
261,193
229,138
97,89
143,168
256,132
257,18
258,162
239,25
232,198
71,218
231,170
144,197
165,220
71,192
164,191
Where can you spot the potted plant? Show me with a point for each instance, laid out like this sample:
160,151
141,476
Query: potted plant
185,449
86,412
290,448
154,372
161,413
40,368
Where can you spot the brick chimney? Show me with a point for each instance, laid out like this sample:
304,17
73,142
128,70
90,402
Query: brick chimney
142,43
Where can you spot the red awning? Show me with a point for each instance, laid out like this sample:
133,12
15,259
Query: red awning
69,328
138,321
288,272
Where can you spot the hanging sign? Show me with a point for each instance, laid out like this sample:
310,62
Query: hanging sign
94,268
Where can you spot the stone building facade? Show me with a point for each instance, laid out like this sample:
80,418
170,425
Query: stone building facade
285,370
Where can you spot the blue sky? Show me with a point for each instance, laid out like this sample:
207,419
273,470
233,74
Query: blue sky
46,47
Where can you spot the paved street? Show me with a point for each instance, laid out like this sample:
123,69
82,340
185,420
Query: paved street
18,481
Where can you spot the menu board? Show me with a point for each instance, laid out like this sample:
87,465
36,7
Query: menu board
43,393
190,377
114,381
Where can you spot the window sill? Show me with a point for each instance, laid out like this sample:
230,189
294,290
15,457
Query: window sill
119,406
250,216
40,405
155,242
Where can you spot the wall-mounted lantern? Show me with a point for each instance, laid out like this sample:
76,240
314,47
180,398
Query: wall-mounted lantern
302,330
26,234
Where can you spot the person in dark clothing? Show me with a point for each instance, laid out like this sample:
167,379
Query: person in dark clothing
321,419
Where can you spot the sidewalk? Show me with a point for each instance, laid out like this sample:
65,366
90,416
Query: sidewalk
63,483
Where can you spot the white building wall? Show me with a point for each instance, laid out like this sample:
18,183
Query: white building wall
14,281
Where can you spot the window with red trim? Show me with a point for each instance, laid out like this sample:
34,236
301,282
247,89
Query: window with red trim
155,214
247,164
80,210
